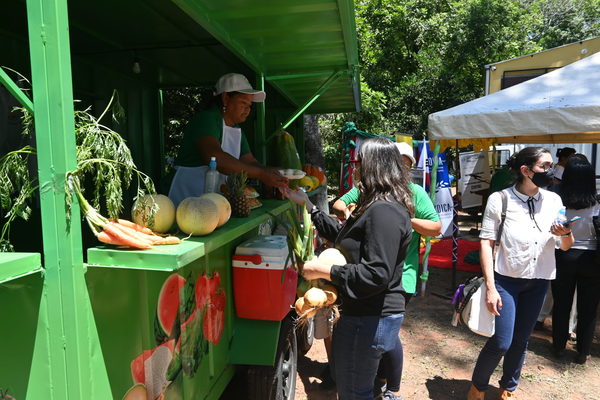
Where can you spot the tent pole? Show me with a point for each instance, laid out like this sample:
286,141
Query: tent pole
432,187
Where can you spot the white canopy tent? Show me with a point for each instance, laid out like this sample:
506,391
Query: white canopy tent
562,106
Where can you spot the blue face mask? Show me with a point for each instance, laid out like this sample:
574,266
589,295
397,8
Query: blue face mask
542,179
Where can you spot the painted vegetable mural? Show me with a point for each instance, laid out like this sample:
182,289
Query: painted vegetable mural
190,314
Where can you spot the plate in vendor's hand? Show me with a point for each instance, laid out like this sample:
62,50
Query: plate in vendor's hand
292,173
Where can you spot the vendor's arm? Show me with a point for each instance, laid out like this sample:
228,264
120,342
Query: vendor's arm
209,146
383,236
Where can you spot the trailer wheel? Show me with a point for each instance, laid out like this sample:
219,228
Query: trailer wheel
279,381
305,336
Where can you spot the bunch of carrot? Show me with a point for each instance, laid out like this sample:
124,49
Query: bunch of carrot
120,232
126,233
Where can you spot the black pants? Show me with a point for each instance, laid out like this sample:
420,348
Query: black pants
575,269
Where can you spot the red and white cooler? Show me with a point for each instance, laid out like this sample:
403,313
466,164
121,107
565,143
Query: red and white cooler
258,288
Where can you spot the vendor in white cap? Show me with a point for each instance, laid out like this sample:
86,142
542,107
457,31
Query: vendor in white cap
214,132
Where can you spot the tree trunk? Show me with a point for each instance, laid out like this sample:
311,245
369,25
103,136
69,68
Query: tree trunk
313,149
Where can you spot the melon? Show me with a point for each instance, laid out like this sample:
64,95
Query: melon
168,302
163,217
197,216
136,392
223,206
286,151
331,257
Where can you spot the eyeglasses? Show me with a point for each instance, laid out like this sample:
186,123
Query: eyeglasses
545,166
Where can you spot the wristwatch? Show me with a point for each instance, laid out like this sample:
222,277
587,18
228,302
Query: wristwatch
567,234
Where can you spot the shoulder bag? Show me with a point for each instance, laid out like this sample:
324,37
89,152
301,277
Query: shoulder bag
470,297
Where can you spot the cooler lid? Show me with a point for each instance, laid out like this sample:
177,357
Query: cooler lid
272,246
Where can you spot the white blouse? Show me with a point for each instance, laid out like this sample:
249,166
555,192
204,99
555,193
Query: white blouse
526,246
583,230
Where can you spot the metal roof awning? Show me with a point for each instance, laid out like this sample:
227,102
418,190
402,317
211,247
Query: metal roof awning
295,46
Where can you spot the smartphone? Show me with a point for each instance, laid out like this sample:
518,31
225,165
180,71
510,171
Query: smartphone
567,223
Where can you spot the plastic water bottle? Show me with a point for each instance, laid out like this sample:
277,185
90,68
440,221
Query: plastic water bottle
561,218
212,177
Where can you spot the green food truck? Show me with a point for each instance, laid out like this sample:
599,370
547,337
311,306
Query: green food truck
87,321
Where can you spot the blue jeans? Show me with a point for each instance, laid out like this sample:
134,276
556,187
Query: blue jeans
358,344
522,301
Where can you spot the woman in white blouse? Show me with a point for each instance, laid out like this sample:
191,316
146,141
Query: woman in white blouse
518,276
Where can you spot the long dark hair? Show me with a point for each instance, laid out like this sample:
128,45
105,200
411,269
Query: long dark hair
383,175
527,156
578,185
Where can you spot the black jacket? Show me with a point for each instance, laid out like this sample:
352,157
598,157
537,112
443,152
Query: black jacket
374,245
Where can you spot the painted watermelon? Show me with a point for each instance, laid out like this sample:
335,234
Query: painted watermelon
137,365
168,303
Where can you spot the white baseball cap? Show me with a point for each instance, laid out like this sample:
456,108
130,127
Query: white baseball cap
406,150
238,83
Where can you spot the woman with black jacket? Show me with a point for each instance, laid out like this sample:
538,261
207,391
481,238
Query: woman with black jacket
374,241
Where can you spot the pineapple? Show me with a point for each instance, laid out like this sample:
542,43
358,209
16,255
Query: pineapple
236,196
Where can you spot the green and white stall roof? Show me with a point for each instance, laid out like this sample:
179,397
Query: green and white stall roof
295,45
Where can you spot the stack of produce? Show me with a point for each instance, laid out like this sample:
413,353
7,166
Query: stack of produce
252,195
321,295
315,177
286,151
312,295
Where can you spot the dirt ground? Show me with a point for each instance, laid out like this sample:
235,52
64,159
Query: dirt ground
439,358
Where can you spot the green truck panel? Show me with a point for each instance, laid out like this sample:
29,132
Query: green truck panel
125,287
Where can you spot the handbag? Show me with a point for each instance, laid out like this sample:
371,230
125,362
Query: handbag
469,299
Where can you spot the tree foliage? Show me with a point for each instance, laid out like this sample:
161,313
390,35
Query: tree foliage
422,56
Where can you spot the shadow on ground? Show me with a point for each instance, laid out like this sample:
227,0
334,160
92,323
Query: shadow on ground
447,389
310,373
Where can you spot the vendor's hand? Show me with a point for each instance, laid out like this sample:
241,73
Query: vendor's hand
272,177
315,270
560,229
493,301
298,196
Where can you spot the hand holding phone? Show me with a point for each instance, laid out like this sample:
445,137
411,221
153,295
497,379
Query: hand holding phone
567,223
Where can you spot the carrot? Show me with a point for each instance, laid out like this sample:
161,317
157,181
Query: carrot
168,240
106,238
136,234
125,238
135,226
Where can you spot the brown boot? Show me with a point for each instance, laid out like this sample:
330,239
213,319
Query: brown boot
475,394
505,394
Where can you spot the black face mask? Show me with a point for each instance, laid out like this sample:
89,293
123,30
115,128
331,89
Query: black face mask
542,179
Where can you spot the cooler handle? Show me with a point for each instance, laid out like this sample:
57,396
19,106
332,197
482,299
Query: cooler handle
254,258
